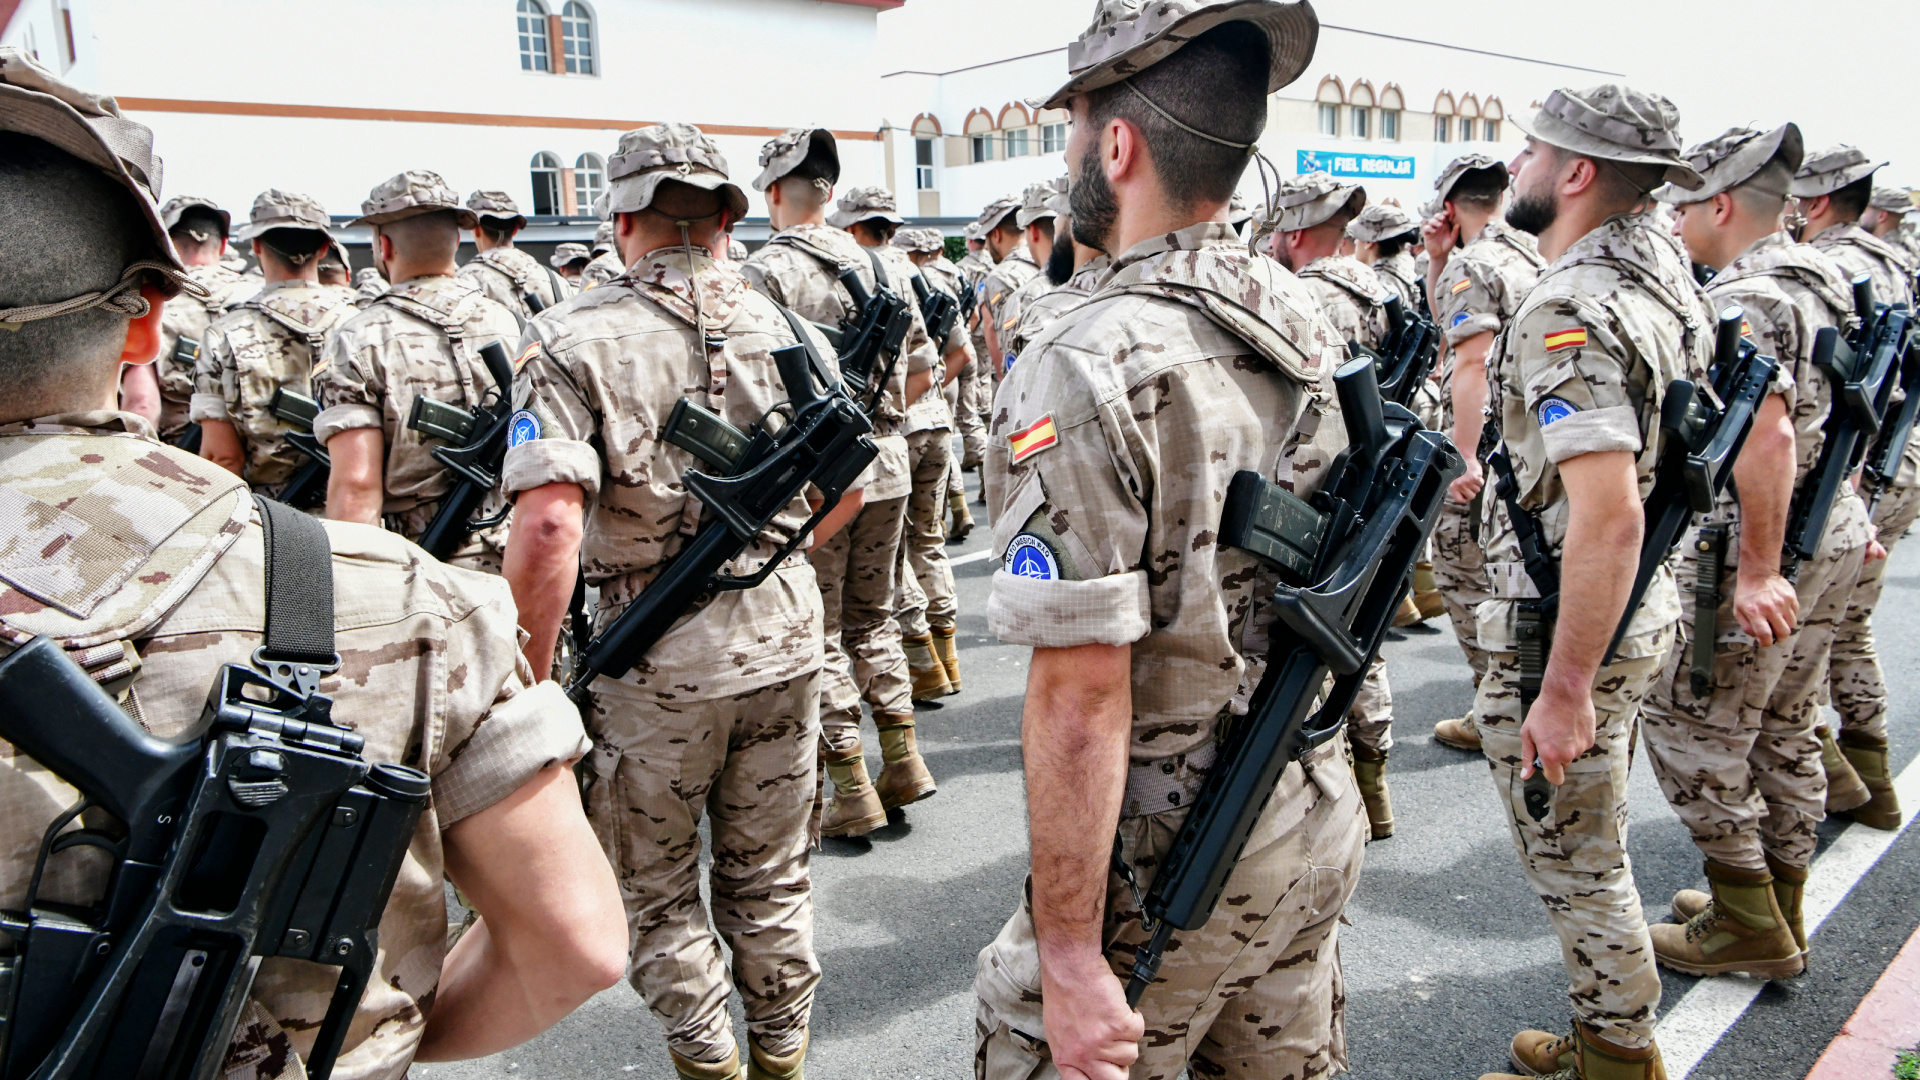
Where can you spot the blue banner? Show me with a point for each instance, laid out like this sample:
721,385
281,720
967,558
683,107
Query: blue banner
1356,166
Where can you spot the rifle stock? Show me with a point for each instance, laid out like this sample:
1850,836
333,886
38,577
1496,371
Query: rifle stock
307,486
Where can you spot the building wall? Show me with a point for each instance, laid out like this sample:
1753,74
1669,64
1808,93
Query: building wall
59,34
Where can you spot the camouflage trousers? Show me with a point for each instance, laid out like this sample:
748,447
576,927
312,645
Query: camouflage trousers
924,599
1858,686
1576,857
1370,719
1741,767
856,568
1460,572
976,398
1255,993
747,763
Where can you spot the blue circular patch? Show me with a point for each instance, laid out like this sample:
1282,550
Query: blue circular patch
1553,409
523,428
1030,557
1460,318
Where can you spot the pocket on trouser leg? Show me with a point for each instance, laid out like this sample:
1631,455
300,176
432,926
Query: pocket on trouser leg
1009,1033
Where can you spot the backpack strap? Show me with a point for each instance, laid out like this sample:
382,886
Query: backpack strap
299,558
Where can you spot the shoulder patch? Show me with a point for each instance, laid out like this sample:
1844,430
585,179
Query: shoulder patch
1461,286
1036,437
1028,556
1460,318
1554,408
524,427
1571,338
525,356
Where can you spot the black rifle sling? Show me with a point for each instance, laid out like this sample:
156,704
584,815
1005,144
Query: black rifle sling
814,361
299,587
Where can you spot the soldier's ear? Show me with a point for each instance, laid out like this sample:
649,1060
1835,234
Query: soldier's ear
143,333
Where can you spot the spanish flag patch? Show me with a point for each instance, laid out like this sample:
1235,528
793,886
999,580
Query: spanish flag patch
1746,328
1567,339
1034,438
525,356
1462,285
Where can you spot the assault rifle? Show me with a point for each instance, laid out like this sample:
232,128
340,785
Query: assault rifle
755,476
875,332
297,411
480,444
1344,558
264,833
1883,460
938,309
1408,356
186,352
1858,368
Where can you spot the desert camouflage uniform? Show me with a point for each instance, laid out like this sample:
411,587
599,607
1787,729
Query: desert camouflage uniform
1397,273
942,274
1156,404
1000,292
1632,341
395,350
1742,767
431,676
269,342
368,283
721,716
508,275
924,601
976,382
604,268
1041,311
187,316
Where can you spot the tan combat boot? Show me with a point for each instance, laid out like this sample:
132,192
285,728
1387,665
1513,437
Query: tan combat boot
1370,776
962,519
1789,886
1426,592
1868,756
1458,733
904,778
1741,932
949,654
764,1066
1407,614
703,1070
1845,791
855,808
1584,1055
929,674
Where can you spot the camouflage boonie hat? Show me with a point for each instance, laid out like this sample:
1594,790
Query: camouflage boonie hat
369,275
1380,222
1614,122
921,241
1832,169
276,209
1130,36
650,156
496,204
1034,200
1727,162
410,194
1892,200
569,252
177,207
784,152
1460,167
865,204
970,231
1308,200
603,237
996,211
736,251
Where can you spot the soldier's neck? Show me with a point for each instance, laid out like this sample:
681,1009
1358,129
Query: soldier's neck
1472,223
1577,218
1148,218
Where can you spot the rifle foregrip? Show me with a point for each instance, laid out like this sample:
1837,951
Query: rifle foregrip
1361,406
500,366
1726,338
1863,297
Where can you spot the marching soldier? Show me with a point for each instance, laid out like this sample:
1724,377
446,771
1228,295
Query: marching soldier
570,260
1113,437
1036,220
1013,266
1079,272
1615,317
1887,210
926,247
162,391
508,276
335,273
605,264
976,382
721,718
799,269
267,344
1384,237
419,339
504,819
369,283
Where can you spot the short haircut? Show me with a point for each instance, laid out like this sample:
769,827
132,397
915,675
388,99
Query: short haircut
425,237
1394,245
801,191
69,230
1765,193
1851,201
1619,183
1011,226
1347,212
1479,187
1216,83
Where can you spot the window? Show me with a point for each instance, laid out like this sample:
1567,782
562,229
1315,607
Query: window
576,34
1330,120
1466,129
534,55
546,183
589,181
1017,143
1490,130
982,148
1053,138
1390,124
1359,122
63,32
1442,125
923,164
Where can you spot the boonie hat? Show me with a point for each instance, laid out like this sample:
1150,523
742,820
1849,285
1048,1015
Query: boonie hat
1892,200
996,211
177,207
1130,36
496,204
650,156
784,152
1034,200
864,204
410,194
276,209
1614,122
1731,159
1459,167
1832,169
1308,200
568,252
1379,222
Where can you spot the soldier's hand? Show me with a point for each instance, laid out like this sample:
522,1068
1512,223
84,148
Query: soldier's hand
1558,729
1875,551
1766,605
1440,235
1091,1032
1469,483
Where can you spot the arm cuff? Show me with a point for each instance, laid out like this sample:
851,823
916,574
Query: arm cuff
207,407
1112,610
1475,324
1616,427
551,461
341,418
526,733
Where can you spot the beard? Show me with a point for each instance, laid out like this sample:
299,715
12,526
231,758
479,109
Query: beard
1060,263
1091,199
1532,213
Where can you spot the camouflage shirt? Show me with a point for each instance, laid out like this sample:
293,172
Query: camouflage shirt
268,342
507,275
1040,312
1480,291
604,268
187,316
1352,296
599,376
1583,369
998,292
1399,274
1110,450
1860,252
170,564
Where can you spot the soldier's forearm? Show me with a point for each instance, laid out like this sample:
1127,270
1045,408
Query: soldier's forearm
1763,477
918,383
356,486
1597,562
220,444
542,562
1469,390
957,359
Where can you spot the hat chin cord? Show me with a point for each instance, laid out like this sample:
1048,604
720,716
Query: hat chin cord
123,297
1262,166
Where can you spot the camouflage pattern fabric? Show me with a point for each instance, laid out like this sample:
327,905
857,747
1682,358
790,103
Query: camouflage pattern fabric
969,418
1352,296
1398,273
189,317
996,291
604,268
923,564
1039,312
865,659
1860,252
508,275
1857,685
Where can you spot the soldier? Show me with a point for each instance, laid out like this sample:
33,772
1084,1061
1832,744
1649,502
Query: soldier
268,343
161,391
1384,237
1073,276
420,338
1579,407
926,247
369,283
799,268
1886,211
570,260
605,265
1013,266
976,382
722,716
1479,269
1036,220
504,819
1746,780
1831,192
335,273
508,276
1112,440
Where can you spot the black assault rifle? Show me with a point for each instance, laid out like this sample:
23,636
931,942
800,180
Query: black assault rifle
307,487
1407,358
756,476
873,334
1344,558
186,352
938,309
1883,461
480,445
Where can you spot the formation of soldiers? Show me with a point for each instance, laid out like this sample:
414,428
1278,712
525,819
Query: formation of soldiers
1135,334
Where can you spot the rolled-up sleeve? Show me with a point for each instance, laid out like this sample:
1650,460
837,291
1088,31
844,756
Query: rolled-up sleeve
1112,610
528,732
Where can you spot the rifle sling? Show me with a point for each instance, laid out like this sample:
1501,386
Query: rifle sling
805,340
299,562
1710,551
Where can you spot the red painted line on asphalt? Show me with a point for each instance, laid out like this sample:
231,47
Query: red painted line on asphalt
1885,1023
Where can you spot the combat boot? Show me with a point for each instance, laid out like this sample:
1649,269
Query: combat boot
929,674
904,777
1789,886
962,518
1407,614
1370,776
1868,756
1844,788
1583,1055
703,1070
949,654
1458,733
764,1066
1741,931
855,808
1426,592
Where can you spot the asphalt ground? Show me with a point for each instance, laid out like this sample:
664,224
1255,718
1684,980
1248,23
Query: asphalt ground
1447,954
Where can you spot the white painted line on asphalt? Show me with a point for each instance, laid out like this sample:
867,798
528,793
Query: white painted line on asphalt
1692,1028
971,557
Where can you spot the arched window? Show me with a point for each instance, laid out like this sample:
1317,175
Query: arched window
576,35
1490,116
979,128
589,180
534,52
546,183
1331,96
1390,108
926,132
1360,109
1469,118
1053,130
1443,118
